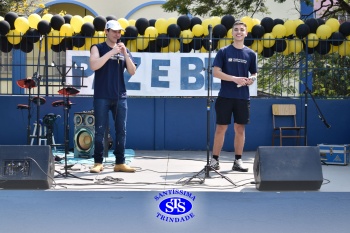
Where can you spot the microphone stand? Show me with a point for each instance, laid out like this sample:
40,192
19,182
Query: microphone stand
320,115
207,168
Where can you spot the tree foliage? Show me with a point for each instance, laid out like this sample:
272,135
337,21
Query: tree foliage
238,8
21,7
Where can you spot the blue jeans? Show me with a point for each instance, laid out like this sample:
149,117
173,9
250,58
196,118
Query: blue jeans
119,113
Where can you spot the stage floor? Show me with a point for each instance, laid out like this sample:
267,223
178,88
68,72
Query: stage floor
144,201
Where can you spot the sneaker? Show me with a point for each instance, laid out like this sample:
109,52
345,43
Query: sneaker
215,164
238,166
98,167
123,168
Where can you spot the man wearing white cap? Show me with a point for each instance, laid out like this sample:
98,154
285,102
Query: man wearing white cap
109,61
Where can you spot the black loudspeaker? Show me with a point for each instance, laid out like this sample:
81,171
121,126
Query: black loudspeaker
288,168
26,167
84,135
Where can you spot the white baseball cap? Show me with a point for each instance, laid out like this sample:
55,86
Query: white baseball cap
114,25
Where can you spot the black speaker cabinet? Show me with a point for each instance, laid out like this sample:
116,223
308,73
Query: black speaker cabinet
26,167
84,135
278,168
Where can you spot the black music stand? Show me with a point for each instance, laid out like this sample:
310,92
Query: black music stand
207,168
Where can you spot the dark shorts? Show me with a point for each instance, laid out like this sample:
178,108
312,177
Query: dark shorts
225,108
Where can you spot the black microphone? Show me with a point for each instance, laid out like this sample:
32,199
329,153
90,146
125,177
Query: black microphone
118,54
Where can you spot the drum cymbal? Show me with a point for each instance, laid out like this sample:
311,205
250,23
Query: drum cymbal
60,103
26,83
22,106
42,100
68,91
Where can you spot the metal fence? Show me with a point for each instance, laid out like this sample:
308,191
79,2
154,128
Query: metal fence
287,67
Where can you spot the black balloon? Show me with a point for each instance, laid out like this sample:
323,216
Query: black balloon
26,46
248,41
44,27
5,46
131,32
78,41
219,31
258,31
228,21
141,25
186,48
57,21
323,47
163,40
194,21
32,35
278,21
196,43
174,30
66,43
336,38
302,31
267,23
280,45
344,28
11,17
152,22
4,27
206,43
184,22
99,23
67,18
111,17
267,52
87,29
313,24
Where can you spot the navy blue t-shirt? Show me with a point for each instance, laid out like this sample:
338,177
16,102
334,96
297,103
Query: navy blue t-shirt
236,62
109,79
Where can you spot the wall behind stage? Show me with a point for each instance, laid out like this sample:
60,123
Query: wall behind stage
180,123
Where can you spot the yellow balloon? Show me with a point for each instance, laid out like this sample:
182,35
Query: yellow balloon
47,17
224,42
54,37
229,33
34,19
164,49
151,33
295,46
279,31
14,37
290,26
142,42
132,22
88,19
161,25
255,21
21,24
312,40
76,22
248,21
333,23
174,45
187,36
98,37
88,43
205,24
203,50
66,30
171,20
324,31
344,48
268,40
123,22
198,30
297,22
131,45
257,46
215,20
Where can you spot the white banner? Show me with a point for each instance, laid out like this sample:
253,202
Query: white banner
157,74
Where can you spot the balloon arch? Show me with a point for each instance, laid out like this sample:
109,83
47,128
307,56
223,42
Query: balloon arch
182,34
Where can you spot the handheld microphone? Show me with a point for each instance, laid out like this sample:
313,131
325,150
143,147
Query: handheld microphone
251,78
118,55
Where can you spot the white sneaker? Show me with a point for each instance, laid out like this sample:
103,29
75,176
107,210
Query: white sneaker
238,166
214,164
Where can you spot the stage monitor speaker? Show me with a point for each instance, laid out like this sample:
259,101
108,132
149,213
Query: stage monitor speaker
288,168
26,167
84,136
